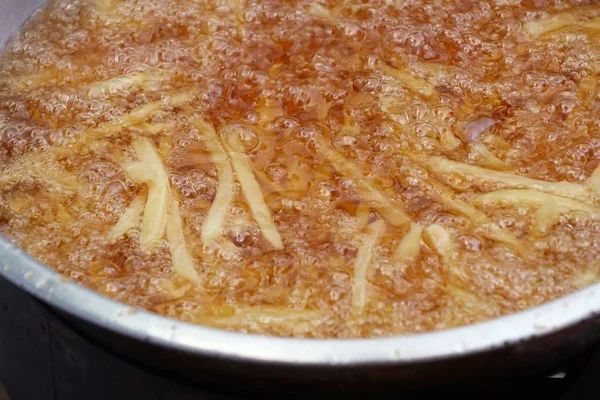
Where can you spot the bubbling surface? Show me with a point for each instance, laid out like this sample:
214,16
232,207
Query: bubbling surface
362,124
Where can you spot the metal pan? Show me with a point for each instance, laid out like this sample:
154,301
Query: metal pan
514,344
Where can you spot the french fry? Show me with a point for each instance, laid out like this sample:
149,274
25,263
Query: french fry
155,212
585,279
594,180
138,172
148,128
183,263
138,115
130,218
449,141
390,210
363,258
416,85
438,238
43,168
105,5
443,168
546,216
51,74
148,80
212,226
172,291
533,198
486,227
295,320
410,246
36,79
318,11
483,156
587,89
586,18
251,189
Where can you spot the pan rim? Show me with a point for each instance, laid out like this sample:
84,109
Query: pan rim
72,298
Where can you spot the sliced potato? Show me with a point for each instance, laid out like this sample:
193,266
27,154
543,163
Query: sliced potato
443,168
412,83
391,210
155,213
533,198
183,262
130,218
251,189
410,246
212,226
363,259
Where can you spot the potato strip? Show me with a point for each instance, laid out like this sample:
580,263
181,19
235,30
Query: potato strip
363,258
389,209
545,217
483,156
155,212
138,115
130,218
439,239
416,85
299,322
148,128
587,278
138,172
252,192
212,226
594,180
268,315
443,167
449,141
486,227
183,263
410,246
587,19
147,80
531,197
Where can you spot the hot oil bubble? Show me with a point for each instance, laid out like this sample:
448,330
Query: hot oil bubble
326,192
248,139
241,138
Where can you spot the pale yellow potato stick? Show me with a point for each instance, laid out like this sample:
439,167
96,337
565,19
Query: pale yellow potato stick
439,239
363,259
546,216
138,171
155,212
443,168
183,262
410,246
212,226
412,83
531,197
587,18
390,210
251,189
130,218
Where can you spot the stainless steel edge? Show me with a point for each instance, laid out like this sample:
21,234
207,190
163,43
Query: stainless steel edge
52,288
